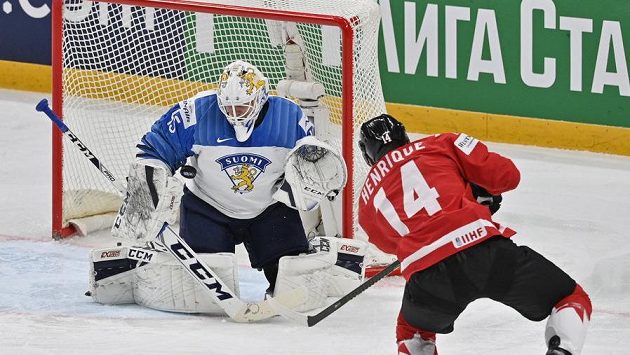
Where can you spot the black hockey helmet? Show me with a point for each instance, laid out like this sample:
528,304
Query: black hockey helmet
379,136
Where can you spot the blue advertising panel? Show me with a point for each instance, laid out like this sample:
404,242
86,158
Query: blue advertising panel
25,31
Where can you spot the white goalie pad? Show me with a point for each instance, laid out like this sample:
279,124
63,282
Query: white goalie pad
167,286
349,269
111,276
308,271
314,170
153,197
334,269
153,279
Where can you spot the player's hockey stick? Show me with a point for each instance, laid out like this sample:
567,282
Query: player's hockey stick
218,290
311,320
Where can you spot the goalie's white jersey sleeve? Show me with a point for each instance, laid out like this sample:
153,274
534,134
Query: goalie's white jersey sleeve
237,178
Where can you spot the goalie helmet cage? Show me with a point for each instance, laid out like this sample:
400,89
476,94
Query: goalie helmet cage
118,65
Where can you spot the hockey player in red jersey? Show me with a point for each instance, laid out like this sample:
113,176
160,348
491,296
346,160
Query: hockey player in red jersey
430,202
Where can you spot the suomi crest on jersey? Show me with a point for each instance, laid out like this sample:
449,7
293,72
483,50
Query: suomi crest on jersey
243,169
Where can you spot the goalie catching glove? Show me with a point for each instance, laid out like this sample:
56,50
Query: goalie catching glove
153,197
314,170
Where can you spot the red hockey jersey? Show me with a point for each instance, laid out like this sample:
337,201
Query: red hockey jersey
417,203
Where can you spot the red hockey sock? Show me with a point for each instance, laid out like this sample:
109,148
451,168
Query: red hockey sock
568,322
579,301
412,340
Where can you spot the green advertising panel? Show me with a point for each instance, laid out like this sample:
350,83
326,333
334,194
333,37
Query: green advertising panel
560,60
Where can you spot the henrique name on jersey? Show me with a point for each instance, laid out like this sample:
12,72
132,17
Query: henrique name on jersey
383,167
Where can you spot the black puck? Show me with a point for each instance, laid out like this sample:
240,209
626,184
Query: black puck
188,171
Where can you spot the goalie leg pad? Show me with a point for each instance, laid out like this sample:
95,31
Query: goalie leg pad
111,276
112,271
335,269
167,286
349,270
308,271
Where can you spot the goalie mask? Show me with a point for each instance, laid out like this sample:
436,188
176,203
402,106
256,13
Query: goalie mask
242,92
379,136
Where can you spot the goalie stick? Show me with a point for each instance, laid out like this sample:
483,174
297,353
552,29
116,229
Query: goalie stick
311,320
218,290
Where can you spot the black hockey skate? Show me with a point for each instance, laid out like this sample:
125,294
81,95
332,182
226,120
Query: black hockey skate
554,347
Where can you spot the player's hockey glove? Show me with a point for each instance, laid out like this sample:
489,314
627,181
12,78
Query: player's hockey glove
483,197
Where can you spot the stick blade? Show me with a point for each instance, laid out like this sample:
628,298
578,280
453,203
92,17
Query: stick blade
285,310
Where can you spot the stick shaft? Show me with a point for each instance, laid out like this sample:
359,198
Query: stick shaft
42,106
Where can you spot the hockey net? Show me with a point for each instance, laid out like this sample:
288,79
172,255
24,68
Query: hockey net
119,65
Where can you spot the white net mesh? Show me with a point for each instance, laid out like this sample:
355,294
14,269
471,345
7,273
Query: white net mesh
123,66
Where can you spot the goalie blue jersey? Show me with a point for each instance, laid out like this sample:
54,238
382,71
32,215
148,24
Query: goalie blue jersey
237,178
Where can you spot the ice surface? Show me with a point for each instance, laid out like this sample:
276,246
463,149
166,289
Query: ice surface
572,207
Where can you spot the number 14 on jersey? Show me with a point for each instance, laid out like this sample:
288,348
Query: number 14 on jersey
417,195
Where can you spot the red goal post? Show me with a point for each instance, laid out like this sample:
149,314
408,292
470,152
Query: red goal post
119,64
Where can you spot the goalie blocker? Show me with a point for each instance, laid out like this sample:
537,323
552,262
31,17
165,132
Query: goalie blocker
153,197
150,277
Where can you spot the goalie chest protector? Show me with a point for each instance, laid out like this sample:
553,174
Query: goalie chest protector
237,178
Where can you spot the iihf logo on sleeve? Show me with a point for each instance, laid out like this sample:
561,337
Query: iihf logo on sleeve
243,169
